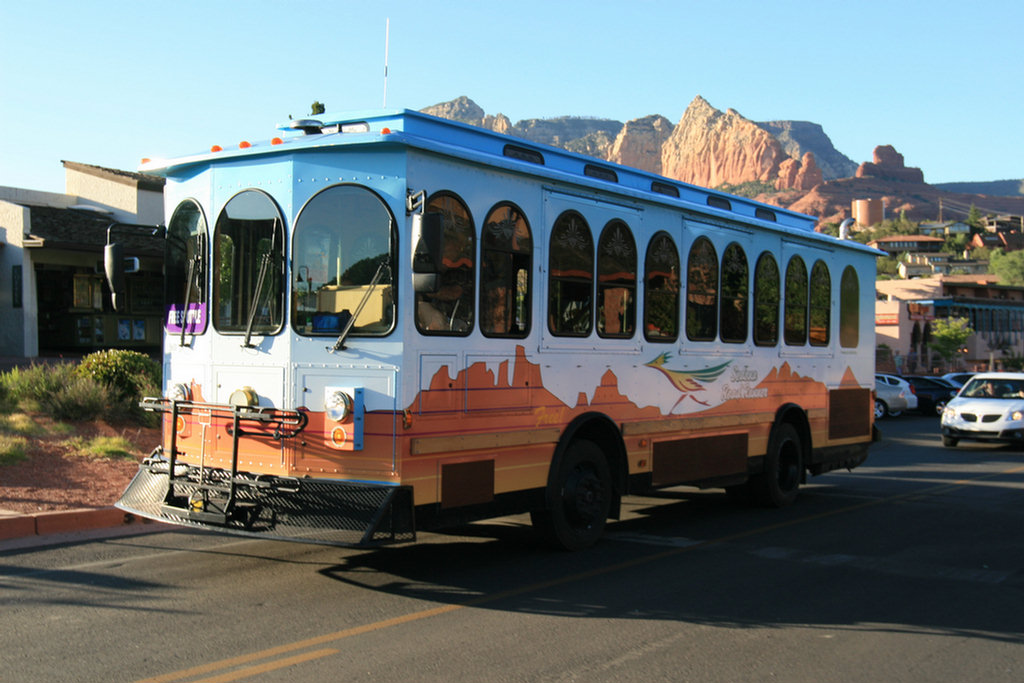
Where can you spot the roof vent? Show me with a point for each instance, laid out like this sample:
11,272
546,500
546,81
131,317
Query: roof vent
307,126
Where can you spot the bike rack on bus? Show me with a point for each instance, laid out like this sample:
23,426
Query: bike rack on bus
220,509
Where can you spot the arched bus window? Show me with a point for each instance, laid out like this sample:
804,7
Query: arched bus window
766,301
616,281
820,314
449,309
506,257
795,317
248,266
343,236
702,291
661,289
185,270
571,273
849,309
735,298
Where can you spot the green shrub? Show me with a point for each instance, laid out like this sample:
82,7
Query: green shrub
82,398
29,387
129,374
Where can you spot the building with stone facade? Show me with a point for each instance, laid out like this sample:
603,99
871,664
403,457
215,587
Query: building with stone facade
53,294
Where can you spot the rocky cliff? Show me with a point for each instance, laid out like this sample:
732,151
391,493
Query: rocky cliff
793,162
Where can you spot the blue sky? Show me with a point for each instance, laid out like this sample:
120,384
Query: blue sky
111,82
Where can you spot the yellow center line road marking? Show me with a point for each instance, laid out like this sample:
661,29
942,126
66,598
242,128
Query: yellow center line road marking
233,662
269,666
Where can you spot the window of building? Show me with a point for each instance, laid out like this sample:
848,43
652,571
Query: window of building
734,301
571,277
450,308
702,291
661,289
344,236
248,266
820,314
766,301
506,255
795,316
616,281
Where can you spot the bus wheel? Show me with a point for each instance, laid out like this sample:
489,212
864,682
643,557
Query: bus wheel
778,484
579,498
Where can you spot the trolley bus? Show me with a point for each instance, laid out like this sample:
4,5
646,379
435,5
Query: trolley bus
388,321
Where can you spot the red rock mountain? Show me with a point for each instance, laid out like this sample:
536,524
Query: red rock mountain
793,163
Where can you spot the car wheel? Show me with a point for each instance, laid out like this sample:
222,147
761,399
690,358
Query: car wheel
881,410
950,441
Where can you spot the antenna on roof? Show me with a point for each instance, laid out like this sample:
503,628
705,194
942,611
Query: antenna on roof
387,33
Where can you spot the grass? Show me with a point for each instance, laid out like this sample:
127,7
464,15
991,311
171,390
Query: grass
101,447
12,449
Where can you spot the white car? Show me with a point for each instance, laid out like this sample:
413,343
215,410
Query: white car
990,407
893,395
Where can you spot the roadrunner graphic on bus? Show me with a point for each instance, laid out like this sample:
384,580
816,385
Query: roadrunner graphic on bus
386,322
688,382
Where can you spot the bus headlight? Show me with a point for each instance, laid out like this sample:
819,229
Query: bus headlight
244,397
338,405
179,392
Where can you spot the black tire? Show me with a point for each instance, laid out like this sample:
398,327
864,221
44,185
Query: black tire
881,410
779,483
950,441
579,498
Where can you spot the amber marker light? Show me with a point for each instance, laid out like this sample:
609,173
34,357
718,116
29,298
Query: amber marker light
244,144
145,160
216,148
277,141
385,131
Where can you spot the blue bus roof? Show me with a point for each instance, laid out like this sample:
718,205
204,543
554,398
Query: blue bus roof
451,138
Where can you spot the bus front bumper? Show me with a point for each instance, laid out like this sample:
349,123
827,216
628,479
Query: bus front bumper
307,510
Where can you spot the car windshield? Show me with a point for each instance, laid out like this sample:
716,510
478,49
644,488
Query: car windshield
994,388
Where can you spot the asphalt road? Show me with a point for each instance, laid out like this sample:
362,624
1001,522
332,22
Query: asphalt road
910,568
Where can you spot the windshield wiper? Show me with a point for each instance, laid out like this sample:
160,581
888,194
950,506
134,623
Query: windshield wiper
381,269
195,266
264,267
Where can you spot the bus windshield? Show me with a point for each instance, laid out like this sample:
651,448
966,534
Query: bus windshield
342,236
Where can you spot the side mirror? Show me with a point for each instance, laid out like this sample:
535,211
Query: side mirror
113,266
427,244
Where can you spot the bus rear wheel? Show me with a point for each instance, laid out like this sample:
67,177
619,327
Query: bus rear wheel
578,499
778,484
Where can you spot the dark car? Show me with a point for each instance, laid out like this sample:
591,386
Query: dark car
933,393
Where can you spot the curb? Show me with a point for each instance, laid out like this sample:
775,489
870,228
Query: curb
63,521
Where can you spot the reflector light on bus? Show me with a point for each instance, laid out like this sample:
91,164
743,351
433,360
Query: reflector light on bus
216,148
277,141
244,144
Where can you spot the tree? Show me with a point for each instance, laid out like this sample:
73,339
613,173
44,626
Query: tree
317,108
949,336
1009,266
974,219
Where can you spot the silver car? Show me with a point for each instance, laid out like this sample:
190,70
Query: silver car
893,395
990,407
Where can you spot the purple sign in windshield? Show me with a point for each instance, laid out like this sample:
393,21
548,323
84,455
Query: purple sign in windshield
195,321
